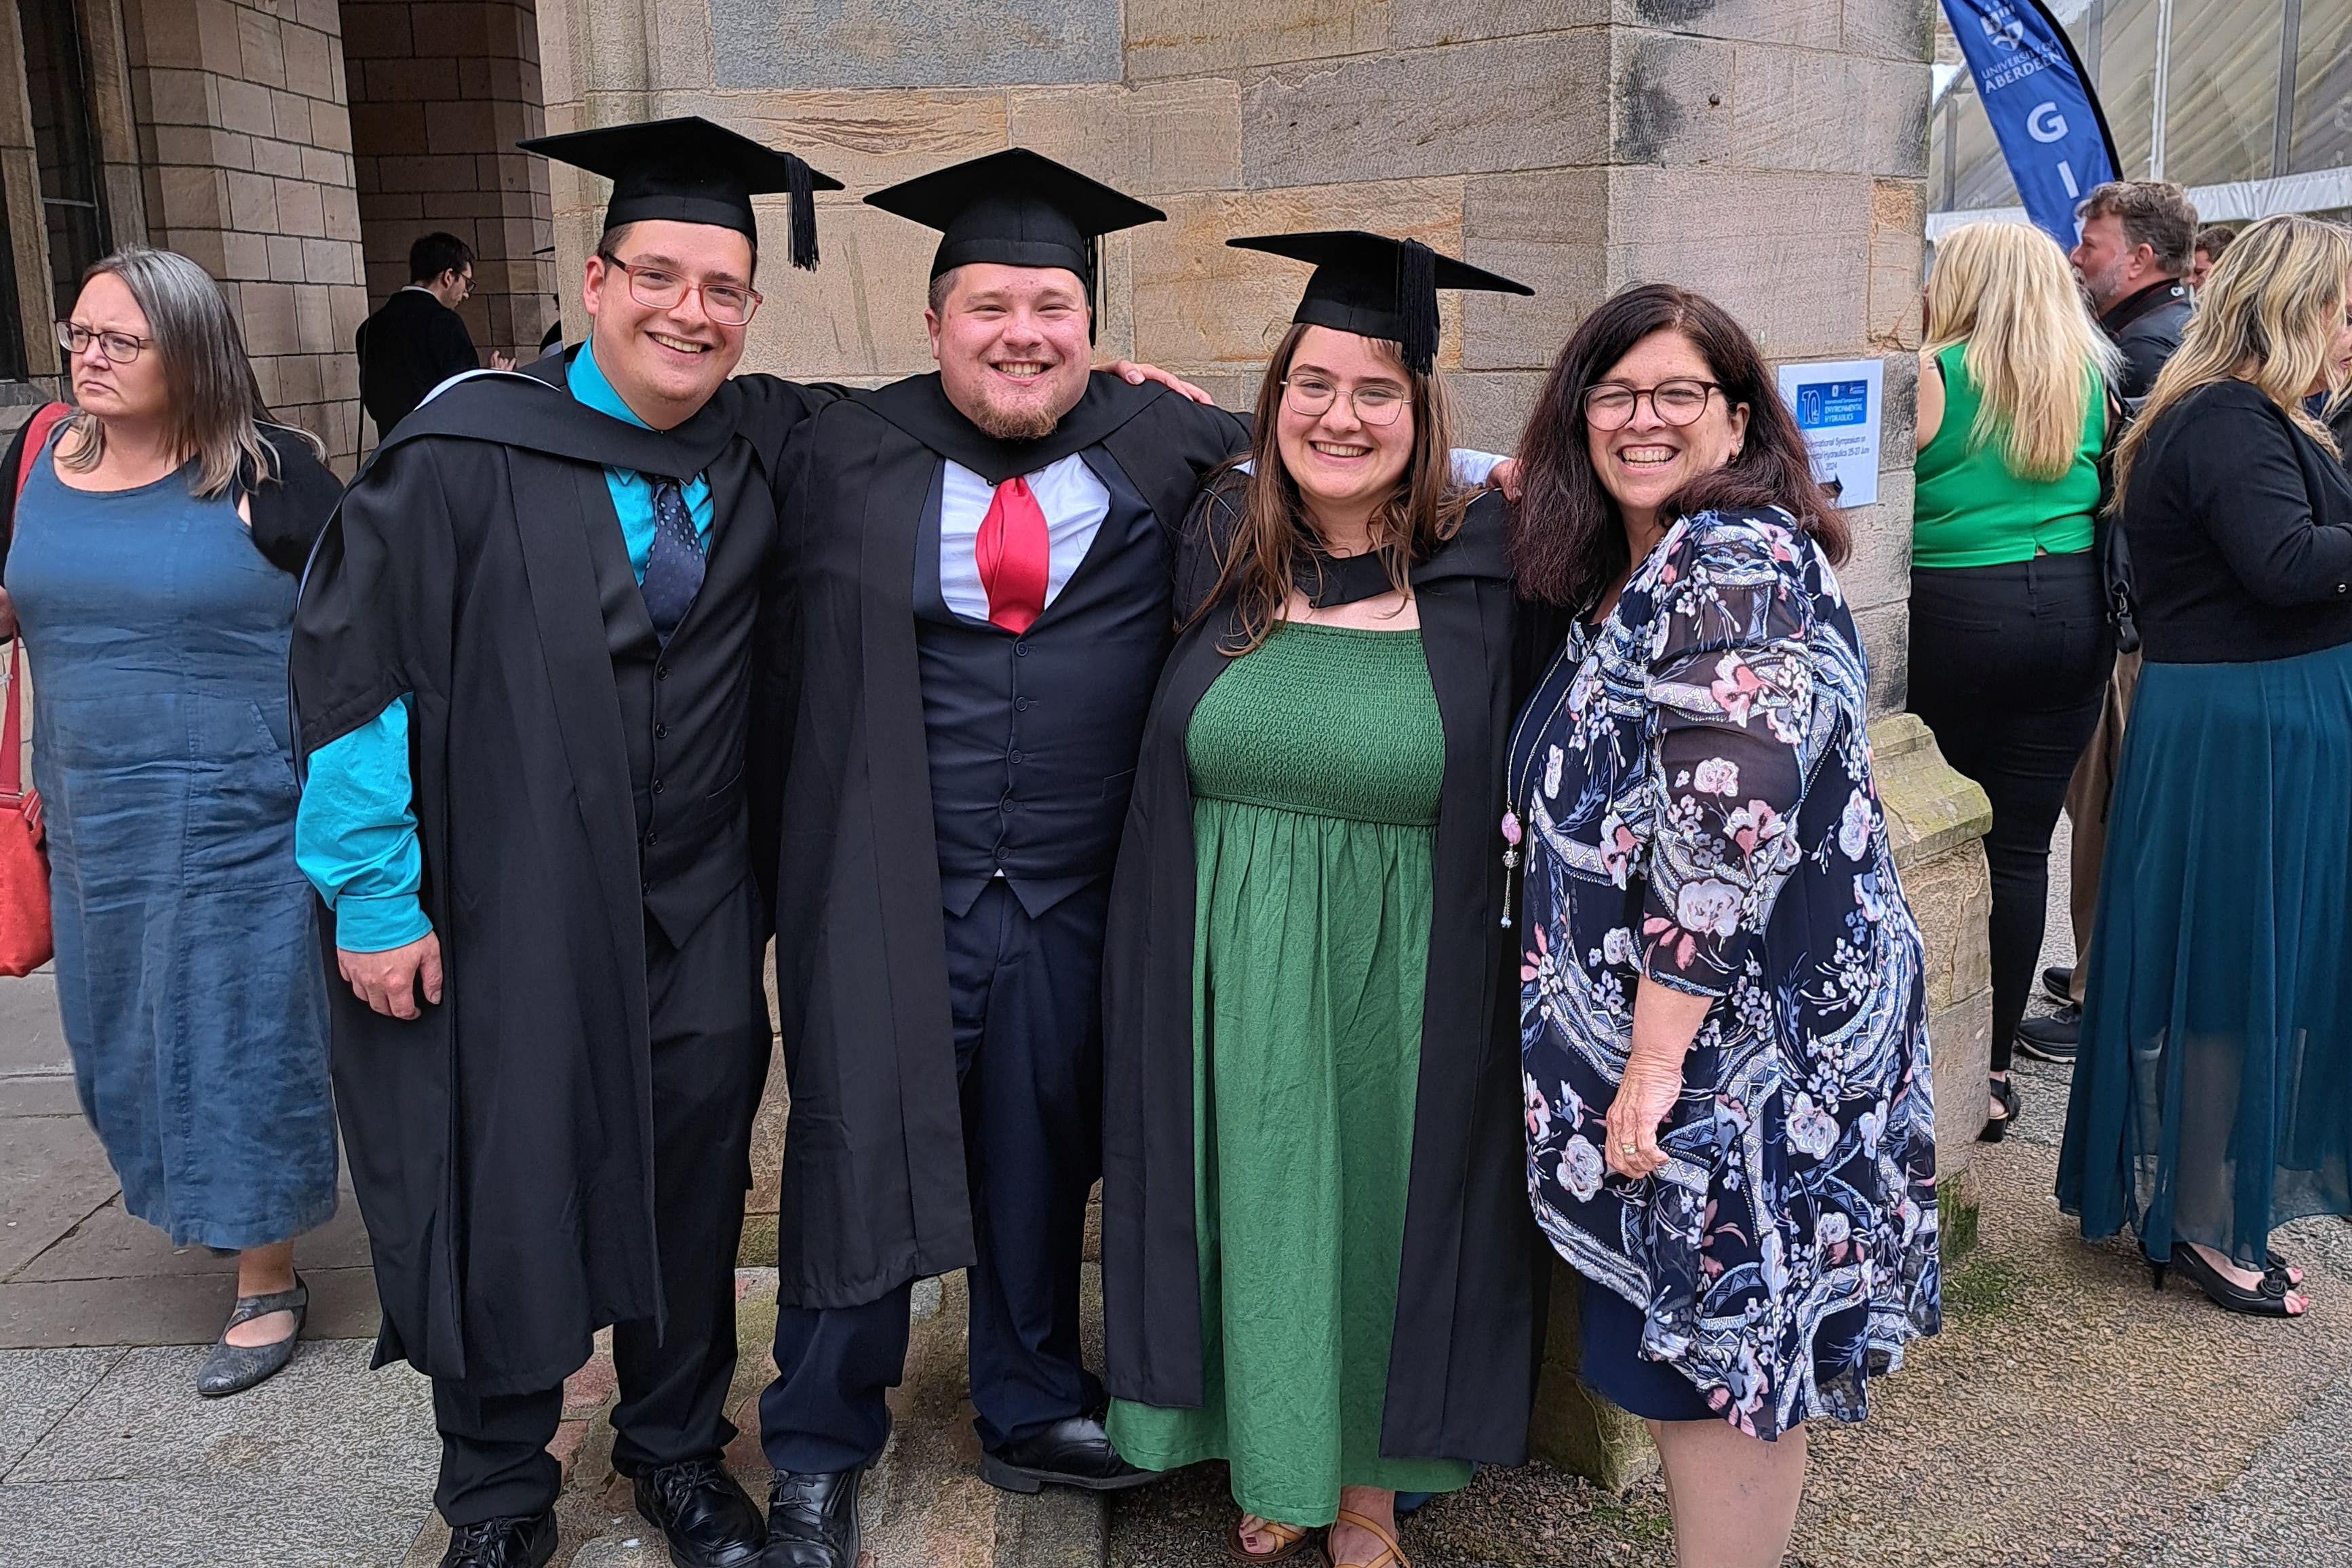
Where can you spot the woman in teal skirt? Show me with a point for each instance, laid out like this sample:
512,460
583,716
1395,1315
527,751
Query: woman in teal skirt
1318,1264
2212,1099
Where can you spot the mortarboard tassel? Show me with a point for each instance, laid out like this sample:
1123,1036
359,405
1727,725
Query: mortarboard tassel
1417,303
803,214
1094,285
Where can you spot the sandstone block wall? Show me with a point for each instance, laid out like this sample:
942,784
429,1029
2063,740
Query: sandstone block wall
1771,152
246,149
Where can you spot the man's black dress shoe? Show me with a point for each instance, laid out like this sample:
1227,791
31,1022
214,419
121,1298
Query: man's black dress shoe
707,1519
502,1543
1074,1452
813,1520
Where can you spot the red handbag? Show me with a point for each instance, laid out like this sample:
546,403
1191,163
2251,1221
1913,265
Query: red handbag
26,941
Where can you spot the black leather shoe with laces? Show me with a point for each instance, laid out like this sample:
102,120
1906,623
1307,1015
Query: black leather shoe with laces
813,1520
707,1520
1075,1452
502,1543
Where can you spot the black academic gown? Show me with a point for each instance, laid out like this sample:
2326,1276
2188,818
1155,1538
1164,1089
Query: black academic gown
1463,1359
874,1189
459,569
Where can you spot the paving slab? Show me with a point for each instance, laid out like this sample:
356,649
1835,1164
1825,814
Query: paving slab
113,1244
144,1420
170,1308
324,1465
31,1039
38,1094
54,1175
37,1388
320,1521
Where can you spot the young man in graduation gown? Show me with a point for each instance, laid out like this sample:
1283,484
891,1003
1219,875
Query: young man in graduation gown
522,667
979,584
980,571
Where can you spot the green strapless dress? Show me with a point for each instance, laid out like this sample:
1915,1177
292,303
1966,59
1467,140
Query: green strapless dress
1315,764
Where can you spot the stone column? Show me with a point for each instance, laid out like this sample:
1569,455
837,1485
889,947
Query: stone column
248,170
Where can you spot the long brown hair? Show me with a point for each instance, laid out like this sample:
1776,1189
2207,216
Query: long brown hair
1569,543
216,406
1273,538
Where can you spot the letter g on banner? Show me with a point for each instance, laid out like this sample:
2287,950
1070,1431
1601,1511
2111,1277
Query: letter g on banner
2051,133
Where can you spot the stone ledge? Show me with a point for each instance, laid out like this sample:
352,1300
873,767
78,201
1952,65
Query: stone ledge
1930,806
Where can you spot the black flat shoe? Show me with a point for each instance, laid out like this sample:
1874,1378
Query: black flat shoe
2058,984
502,1543
2006,1103
2053,1038
232,1369
1073,1452
707,1520
813,1520
2267,1300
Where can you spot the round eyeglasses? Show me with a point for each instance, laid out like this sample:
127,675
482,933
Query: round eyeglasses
728,304
120,348
1311,397
1611,404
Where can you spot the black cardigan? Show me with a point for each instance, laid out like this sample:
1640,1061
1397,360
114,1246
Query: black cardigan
2240,530
288,515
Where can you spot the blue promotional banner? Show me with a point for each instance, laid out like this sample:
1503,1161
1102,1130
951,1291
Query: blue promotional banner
2053,133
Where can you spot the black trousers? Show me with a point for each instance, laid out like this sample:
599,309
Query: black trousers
1028,1034
2008,668
710,1043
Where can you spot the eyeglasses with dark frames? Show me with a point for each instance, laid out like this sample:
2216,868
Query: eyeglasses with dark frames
120,348
656,288
1611,404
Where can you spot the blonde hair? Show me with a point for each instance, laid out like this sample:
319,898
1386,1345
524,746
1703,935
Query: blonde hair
216,406
2004,291
2268,316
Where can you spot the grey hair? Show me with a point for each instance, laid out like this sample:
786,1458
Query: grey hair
215,403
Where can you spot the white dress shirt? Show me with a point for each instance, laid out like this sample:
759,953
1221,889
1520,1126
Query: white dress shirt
1075,503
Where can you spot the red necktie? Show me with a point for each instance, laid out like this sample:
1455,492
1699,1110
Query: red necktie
1013,552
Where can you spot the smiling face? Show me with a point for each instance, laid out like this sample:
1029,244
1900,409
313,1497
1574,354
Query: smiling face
667,363
135,392
1343,463
1012,345
1644,463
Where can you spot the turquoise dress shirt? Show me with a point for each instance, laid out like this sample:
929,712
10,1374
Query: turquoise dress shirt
356,832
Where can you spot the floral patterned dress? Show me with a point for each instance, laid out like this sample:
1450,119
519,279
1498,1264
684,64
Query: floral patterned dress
1693,782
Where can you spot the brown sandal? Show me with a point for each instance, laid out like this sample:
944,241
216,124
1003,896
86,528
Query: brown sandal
1292,1540
1392,1554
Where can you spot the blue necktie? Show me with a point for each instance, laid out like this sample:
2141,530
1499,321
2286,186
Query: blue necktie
674,565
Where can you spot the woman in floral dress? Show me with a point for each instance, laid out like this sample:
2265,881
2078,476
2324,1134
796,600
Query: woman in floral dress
1723,1019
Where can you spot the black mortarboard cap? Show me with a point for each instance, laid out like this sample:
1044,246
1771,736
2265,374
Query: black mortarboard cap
1016,208
1377,287
691,170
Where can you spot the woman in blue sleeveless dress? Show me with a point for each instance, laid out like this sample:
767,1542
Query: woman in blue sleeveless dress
189,980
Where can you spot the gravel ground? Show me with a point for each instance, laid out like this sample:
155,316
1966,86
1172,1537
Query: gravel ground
2067,1416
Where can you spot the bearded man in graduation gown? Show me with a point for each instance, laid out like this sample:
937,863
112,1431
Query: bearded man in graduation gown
978,572
522,667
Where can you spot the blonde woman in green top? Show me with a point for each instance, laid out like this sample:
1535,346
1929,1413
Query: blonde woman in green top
2010,643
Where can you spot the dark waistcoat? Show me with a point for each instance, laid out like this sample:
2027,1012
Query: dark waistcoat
682,714
1031,739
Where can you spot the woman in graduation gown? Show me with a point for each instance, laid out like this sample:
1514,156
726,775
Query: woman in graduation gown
1318,1264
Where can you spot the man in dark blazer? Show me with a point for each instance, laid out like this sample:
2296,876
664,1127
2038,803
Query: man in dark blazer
417,341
